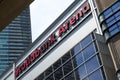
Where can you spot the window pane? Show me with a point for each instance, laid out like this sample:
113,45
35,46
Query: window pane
58,74
111,22
89,51
49,78
65,57
107,13
67,67
114,31
82,71
112,27
78,59
96,76
117,14
116,7
85,41
57,64
77,48
48,71
109,19
70,77
92,64
85,79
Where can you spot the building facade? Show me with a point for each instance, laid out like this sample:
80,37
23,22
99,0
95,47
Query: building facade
14,39
71,48
110,24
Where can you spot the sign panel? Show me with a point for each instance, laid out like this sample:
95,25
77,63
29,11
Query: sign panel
53,38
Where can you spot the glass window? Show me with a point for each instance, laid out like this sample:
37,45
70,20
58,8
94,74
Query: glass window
117,14
92,64
96,76
110,19
116,6
57,64
78,59
51,77
86,41
118,23
89,51
48,71
85,79
113,27
67,67
118,18
65,57
107,13
82,71
71,77
112,22
114,31
77,48
58,74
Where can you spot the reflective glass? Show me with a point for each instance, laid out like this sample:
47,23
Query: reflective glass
107,13
51,77
82,71
79,59
67,67
114,31
86,41
57,64
96,76
110,19
92,64
48,71
58,74
77,48
113,27
66,57
89,51
116,7
70,77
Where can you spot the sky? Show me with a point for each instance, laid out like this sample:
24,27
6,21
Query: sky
44,12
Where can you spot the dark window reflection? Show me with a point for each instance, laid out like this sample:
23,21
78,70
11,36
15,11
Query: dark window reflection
41,77
58,74
67,67
70,77
48,71
51,77
57,64
65,57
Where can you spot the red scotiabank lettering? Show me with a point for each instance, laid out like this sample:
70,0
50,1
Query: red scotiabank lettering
36,53
52,39
48,43
27,62
72,21
61,30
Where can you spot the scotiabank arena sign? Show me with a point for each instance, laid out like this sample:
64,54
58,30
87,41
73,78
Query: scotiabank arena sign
52,39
